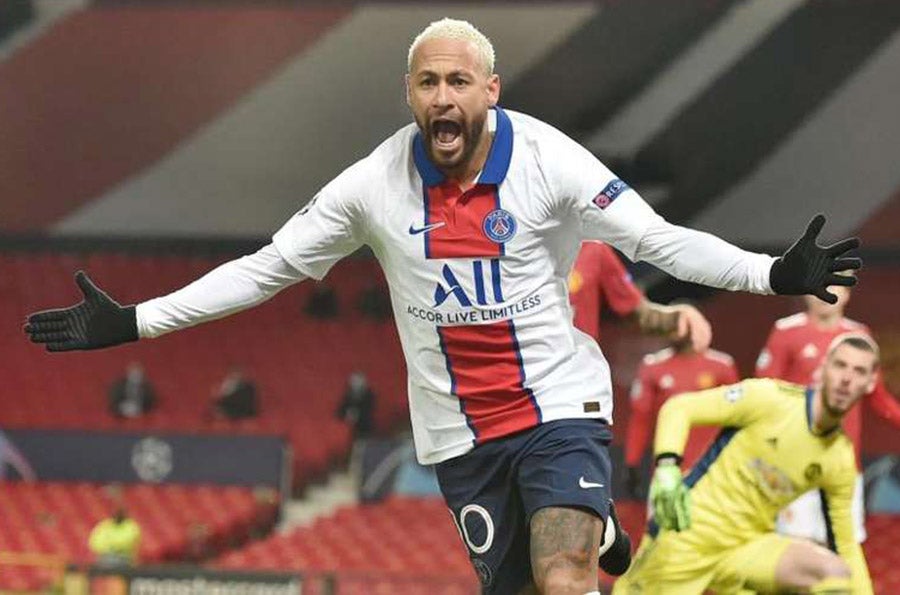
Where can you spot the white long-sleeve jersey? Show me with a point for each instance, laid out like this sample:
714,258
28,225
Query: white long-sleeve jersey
477,278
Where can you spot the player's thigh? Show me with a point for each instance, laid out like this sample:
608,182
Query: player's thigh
804,563
630,581
772,563
489,516
564,475
564,546
668,564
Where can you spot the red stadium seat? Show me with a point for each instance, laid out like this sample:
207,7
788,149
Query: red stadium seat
56,519
399,539
299,364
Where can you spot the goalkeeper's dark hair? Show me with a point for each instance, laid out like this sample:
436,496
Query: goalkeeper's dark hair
859,341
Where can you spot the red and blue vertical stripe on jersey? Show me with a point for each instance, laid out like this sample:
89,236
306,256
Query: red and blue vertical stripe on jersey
488,376
484,361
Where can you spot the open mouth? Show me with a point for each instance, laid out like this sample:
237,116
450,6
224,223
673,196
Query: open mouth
446,133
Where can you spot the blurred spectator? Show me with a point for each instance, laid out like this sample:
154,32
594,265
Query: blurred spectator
115,541
12,456
199,546
322,303
132,395
357,405
374,302
356,410
236,397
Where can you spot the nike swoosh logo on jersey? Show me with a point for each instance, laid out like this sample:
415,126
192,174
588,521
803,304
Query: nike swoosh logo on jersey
584,484
416,231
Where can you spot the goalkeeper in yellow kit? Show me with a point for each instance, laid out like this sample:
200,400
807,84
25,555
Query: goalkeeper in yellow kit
714,528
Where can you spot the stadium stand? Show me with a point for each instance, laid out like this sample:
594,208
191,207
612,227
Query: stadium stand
376,548
400,545
290,356
178,522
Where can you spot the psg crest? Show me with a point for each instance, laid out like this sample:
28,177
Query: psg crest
499,226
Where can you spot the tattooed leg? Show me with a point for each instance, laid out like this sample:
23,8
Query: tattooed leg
564,544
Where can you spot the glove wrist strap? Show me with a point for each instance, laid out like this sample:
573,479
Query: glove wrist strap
668,458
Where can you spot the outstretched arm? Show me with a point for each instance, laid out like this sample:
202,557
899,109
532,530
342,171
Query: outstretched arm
609,210
229,288
99,321
736,405
805,268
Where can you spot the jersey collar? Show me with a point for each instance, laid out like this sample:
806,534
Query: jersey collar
496,165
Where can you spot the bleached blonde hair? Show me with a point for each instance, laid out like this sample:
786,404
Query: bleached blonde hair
448,28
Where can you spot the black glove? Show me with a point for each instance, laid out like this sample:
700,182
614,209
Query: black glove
98,321
807,268
633,483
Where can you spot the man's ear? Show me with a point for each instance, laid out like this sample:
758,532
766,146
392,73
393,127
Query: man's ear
493,89
406,84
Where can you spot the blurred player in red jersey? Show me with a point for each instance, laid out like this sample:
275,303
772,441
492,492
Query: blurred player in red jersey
794,352
599,279
671,371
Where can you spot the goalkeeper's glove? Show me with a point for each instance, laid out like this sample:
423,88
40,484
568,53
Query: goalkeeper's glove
670,498
98,321
807,268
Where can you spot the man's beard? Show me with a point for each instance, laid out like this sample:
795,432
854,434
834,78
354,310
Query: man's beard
832,411
829,408
470,135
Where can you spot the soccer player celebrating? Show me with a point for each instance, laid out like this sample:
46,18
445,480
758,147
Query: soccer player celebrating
476,214
715,529
793,352
676,369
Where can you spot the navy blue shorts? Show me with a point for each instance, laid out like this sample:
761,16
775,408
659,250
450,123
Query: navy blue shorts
494,489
